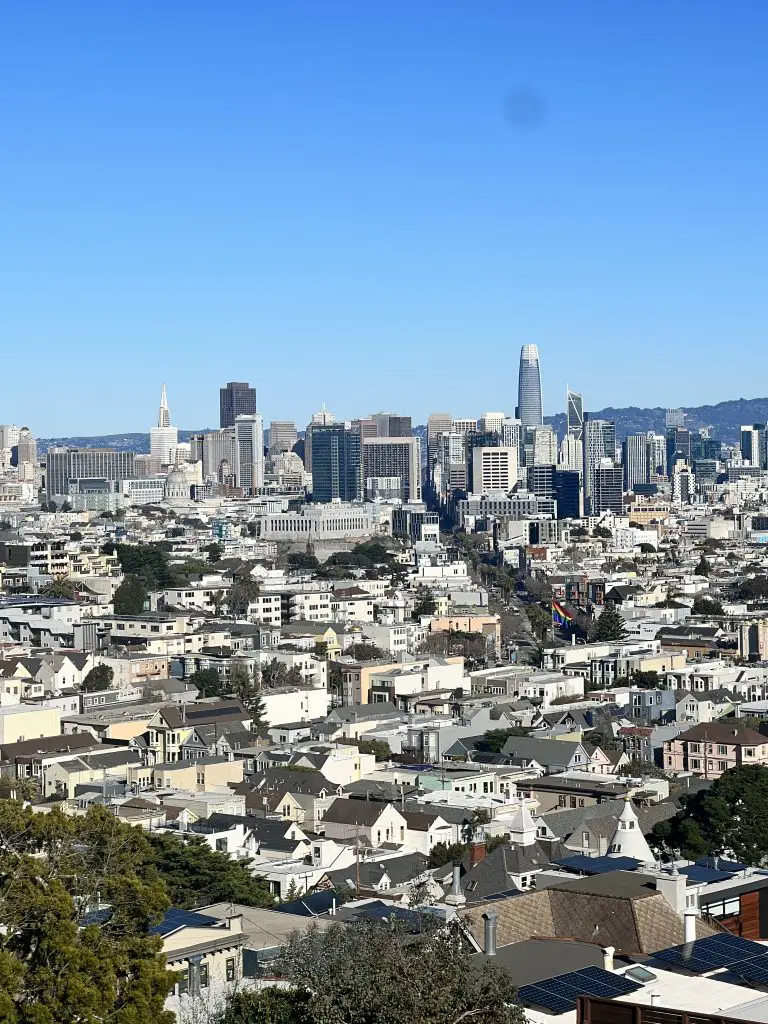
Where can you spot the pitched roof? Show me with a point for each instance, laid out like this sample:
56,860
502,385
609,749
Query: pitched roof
723,732
619,908
354,812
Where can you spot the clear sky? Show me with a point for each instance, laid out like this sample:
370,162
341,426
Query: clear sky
373,205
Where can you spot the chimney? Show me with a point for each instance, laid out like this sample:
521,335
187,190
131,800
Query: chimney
608,952
689,918
489,945
456,897
602,846
655,997
477,848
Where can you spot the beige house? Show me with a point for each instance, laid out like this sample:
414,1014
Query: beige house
371,823
711,748
20,722
197,775
207,954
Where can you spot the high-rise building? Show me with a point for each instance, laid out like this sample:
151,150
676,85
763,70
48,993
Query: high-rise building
163,438
570,455
452,462
463,426
9,436
249,449
282,436
66,466
635,460
395,457
678,447
674,418
608,488
529,404
493,469
568,494
657,455
319,419
753,444
511,433
237,398
543,447
491,422
217,452
599,443
366,427
336,463
438,423
389,424
541,480
574,414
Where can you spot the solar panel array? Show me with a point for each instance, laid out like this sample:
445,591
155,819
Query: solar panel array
748,960
559,994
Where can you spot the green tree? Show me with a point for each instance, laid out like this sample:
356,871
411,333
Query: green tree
609,627
248,692
60,586
75,536
66,507
277,673
242,594
138,559
703,605
703,567
540,620
55,967
726,819
302,561
445,853
378,973
367,652
646,680
208,681
603,532
130,597
269,1005
493,741
99,678
378,748
424,603
195,875
215,552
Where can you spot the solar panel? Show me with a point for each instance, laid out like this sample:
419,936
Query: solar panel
697,873
559,994
755,969
711,954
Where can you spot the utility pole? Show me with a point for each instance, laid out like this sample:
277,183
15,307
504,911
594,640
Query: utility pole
357,861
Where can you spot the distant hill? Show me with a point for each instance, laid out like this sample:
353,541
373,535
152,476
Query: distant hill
723,420
138,443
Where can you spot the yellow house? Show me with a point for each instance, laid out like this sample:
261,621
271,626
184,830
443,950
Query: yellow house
26,722
197,776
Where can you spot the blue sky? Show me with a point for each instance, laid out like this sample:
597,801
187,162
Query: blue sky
373,205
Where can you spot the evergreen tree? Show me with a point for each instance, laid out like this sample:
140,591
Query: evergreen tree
609,627
99,678
130,597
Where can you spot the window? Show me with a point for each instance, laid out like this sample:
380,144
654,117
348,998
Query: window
203,975
230,966
695,762
183,982
221,845
201,778
585,838
722,766
749,752
722,749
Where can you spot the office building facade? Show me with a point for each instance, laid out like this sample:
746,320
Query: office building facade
395,457
529,403
63,465
237,398
599,443
337,472
249,452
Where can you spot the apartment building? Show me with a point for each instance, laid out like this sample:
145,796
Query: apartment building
711,748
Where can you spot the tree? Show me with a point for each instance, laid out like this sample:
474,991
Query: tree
425,603
208,681
269,1005
493,741
137,559
195,875
75,536
646,548
277,673
645,680
248,692
66,507
367,652
703,567
302,561
540,620
703,605
726,819
609,627
603,532
99,678
445,853
754,588
242,594
60,586
378,748
380,973
55,967
130,597
215,551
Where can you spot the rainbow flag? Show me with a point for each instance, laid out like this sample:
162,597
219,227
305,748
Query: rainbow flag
560,616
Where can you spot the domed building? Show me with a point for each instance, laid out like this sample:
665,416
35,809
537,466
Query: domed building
176,485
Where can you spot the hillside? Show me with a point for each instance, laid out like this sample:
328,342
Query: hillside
723,420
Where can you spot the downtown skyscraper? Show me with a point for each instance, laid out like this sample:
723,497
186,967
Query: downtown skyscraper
529,404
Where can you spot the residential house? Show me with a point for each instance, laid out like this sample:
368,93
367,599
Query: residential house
711,748
371,823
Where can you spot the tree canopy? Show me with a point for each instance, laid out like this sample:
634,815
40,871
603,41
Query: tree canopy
381,973
703,605
726,819
60,586
55,966
425,603
378,748
99,678
609,627
208,681
130,597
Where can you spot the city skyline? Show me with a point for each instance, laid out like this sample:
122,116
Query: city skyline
511,185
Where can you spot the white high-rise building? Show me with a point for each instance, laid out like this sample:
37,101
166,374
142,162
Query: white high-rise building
544,446
163,438
493,469
571,454
249,449
491,422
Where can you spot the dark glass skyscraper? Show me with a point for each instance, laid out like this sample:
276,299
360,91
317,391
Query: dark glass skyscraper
236,399
529,405
336,463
